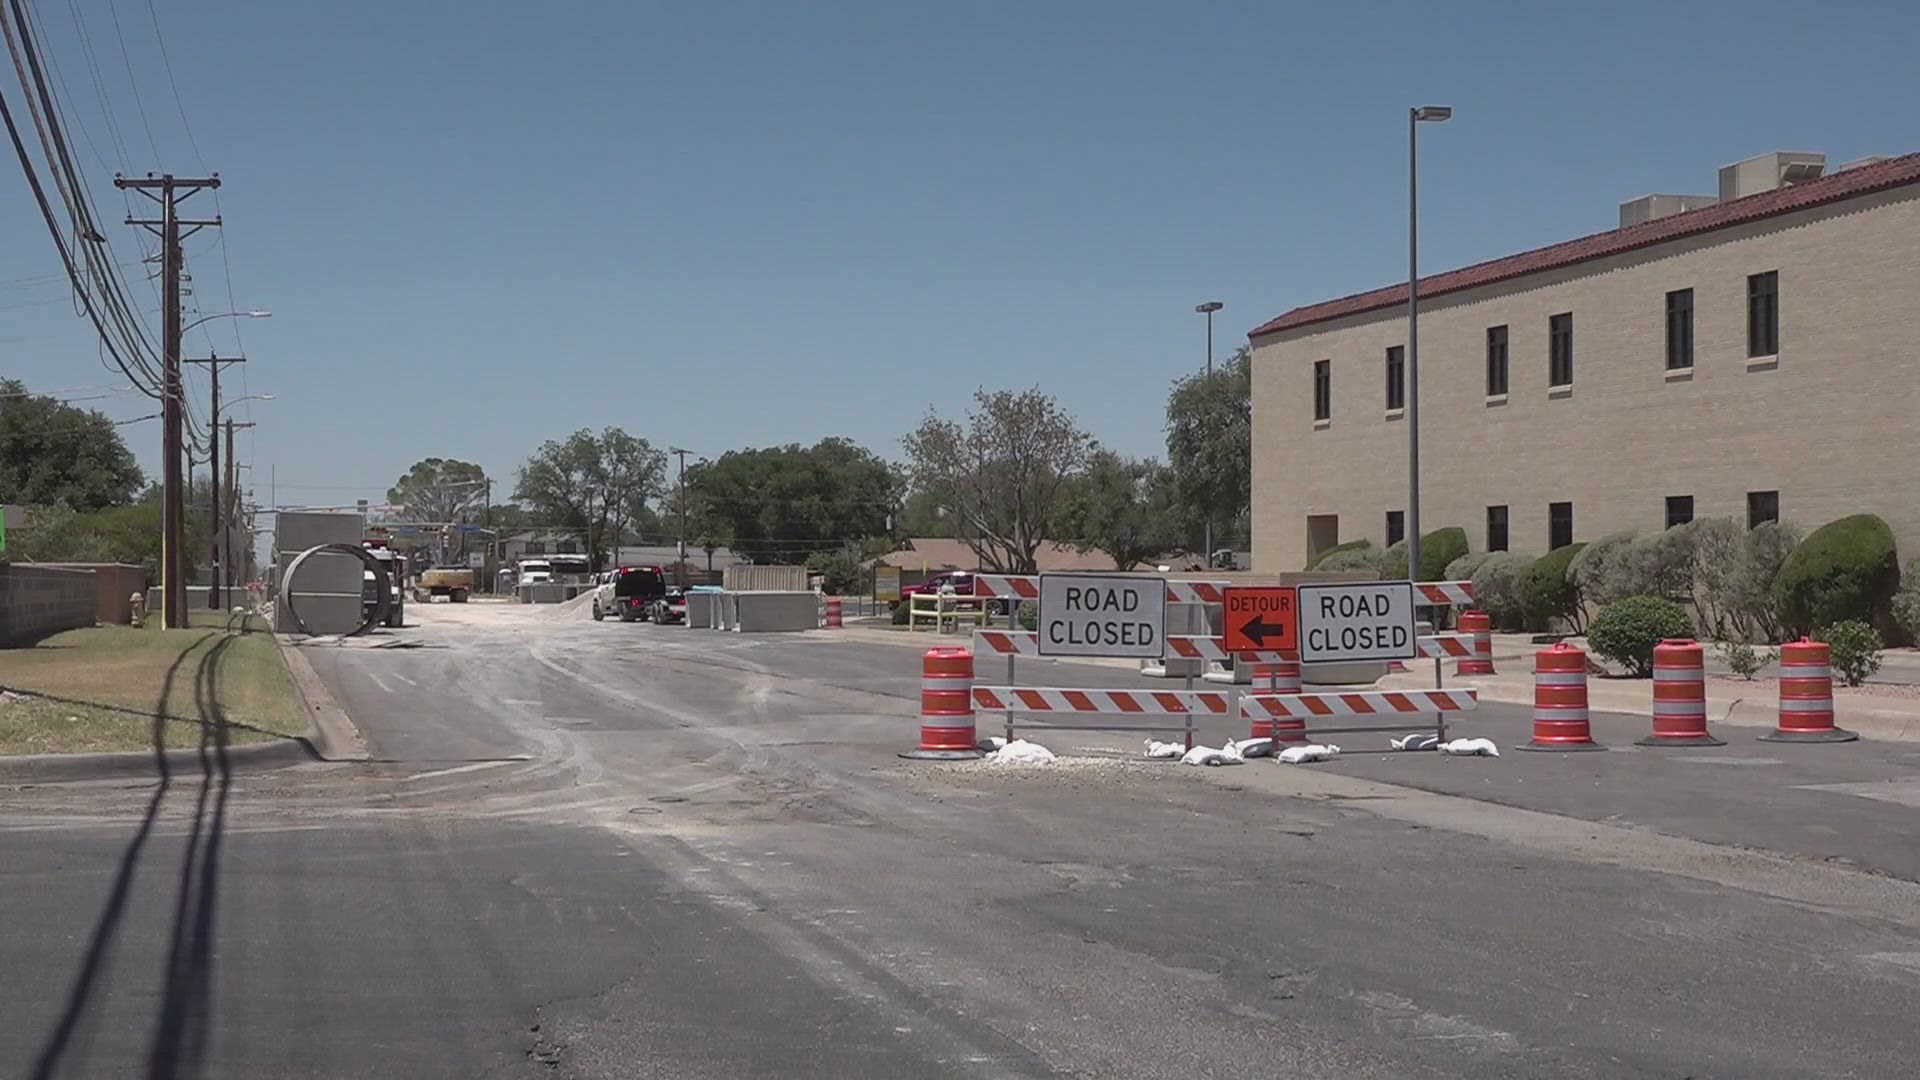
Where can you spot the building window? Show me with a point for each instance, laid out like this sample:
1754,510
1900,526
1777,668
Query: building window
1397,377
1559,525
536,547
567,547
1560,350
1762,507
1496,361
1679,510
1679,329
1323,389
1496,528
1396,526
1763,314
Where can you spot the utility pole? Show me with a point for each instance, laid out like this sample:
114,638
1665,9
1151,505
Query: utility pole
172,191
225,539
214,364
680,564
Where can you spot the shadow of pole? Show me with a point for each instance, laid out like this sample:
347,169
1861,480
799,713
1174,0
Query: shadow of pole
106,928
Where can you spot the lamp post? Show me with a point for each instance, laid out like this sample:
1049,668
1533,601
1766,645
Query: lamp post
1415,117
221,519
1208,309
214,364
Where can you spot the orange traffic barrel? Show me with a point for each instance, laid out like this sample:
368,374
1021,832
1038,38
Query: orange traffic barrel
946,705
1480,625
1806,695
1281,677
833,612
1560,718
1679,695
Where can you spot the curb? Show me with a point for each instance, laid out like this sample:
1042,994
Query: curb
334,738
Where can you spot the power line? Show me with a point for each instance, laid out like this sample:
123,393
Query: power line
167,61
77,430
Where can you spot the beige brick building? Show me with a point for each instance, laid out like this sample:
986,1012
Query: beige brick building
1757,355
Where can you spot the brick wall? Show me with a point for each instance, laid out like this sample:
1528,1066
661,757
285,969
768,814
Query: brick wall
1829,423
36,601
114,586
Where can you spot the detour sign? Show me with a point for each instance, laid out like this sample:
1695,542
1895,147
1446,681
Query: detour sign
1260,617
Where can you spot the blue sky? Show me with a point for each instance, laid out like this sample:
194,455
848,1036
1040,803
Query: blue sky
481,225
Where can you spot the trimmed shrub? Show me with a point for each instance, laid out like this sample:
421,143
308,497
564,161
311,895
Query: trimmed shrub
1591,568
1853,648
1496,588
1906,603
1351,545
1844,570
902,610
1626,631
1438,549
1658,564
1548,593
1750,597
1743,659
1367,558
1463,568
1713,545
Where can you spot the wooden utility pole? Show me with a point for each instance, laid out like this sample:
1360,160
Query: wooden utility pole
171,191
215,601
223,565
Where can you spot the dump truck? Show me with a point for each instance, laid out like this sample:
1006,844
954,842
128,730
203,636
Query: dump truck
452,582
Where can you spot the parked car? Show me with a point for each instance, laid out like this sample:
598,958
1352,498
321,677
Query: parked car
671,608
629,592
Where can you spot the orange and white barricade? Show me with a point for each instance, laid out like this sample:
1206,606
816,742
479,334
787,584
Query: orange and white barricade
1560,717
1679,696
946,706
1806,695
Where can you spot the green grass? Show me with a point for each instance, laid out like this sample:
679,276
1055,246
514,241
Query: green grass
117,688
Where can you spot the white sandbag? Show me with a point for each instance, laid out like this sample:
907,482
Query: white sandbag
1255,747
1022,752
1419,740
990,743
1207,755
1298,755
1230,754
1164,751
1470,748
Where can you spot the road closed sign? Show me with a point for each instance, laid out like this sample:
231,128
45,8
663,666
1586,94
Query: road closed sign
1094,615
1371,620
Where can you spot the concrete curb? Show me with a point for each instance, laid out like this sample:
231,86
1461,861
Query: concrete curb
334,738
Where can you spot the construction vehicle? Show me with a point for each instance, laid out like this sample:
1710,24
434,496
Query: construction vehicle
452,582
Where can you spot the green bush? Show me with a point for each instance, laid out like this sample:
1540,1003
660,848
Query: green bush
902,611
1438,550
1591,569
1750,600
1351,545
1496,588
1626,630
1906,603
842,570
1743,659
1854,650
1844,570
1463,568
1368,558
1548,593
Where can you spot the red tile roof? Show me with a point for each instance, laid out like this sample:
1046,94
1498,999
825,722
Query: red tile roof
1833,188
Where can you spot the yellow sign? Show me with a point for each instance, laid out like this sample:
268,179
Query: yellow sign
886,583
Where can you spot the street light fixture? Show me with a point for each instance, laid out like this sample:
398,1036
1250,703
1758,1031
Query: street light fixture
1415,117
227,315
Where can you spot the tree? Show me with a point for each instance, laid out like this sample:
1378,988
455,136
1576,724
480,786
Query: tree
54,454
116,534
1003,475
440,491
1123,507
782,503
592,483
1210,439
922,515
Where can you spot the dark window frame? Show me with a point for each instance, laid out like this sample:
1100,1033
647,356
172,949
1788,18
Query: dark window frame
1763,314
1396,377
1496,361
1680,330
1323,390
1497,541
1767,508
1556,519
1560,350
1396,526
1679,510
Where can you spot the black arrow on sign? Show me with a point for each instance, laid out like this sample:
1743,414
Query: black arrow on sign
1258,628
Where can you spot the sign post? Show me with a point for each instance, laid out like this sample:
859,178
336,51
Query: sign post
1101,615
1260,618
1370,620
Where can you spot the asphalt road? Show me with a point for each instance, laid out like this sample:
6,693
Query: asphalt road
607,850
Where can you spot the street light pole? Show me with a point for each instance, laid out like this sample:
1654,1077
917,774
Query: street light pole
680,563
1415,117
1208,309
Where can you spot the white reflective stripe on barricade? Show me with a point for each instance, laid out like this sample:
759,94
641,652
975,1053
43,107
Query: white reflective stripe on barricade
1805,671
1673,674
1196,592
1445,593
1185,647
1560,678
1111,702
1821,705
1365,703
1007,642
1446,645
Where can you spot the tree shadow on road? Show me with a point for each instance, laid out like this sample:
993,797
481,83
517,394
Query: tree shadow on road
180,1032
